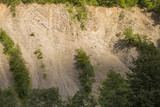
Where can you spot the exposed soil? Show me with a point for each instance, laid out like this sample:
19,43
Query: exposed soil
57,36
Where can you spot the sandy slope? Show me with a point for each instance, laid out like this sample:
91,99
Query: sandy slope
58,36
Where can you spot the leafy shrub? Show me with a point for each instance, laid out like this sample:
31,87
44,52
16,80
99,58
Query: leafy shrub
92,2
20,73
13,4
32,34
144,79
86,70
82,99
151,5
6,41
122,15
82,13
131,3
121,3
17,65
140,41
8,98
39,54
114,91
44,76
43,66
78,13
44,98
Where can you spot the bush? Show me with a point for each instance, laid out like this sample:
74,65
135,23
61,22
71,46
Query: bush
6,41
20,73
39,54
43,66
131,3
151,5
144,79
143,44
86,70
44,76
44,98
32,34
82,99
8,98
17,65
121,3
114,91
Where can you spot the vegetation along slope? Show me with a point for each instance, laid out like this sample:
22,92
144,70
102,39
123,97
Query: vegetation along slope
79,53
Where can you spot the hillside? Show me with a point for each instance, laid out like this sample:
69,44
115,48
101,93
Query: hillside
48,36
58,36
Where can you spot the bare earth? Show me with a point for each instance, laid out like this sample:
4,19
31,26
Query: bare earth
57,36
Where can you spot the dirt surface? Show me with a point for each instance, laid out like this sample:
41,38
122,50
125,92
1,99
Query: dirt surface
57,36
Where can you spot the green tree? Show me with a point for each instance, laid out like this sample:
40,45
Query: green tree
114,91
144,81
131,3
82,99
86,70
8,98
44,98
17,65
144,78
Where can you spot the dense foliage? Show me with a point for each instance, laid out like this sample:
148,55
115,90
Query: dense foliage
86,70
144,79
39,54
17,65
8,98
114,91
37,98
121,3
142,86
83,97
20,72
44,98
151,5
143,44
6,41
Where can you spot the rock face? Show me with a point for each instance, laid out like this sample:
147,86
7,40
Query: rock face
57,36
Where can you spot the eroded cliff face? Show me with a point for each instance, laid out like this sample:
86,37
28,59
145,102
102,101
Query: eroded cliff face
57,36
